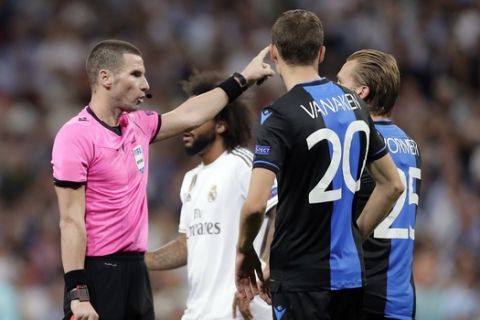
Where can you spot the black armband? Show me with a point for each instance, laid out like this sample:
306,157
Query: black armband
75,278
232,87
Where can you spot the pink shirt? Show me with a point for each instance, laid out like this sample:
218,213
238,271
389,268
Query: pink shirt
114,169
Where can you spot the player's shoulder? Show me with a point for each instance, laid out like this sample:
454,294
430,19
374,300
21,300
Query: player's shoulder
82,119
141,114
241,157
195,170
77,125
384,126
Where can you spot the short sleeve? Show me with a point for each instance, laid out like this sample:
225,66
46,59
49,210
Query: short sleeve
377,147
244,172
182,225
272,140
71,154
149,121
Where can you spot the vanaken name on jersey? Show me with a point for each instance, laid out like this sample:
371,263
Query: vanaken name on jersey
344,102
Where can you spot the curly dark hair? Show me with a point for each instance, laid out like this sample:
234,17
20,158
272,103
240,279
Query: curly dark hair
236,115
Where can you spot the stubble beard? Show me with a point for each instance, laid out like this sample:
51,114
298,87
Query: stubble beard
201,143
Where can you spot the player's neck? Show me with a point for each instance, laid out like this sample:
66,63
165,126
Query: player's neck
379,118
102,109
293,75
213,151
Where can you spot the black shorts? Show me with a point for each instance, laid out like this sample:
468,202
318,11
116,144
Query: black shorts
119,287
317,305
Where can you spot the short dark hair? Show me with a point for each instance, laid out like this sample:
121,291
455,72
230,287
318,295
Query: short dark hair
379,72
298,35
108,54
236,115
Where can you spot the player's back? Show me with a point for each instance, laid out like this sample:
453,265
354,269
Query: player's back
389,251
316,137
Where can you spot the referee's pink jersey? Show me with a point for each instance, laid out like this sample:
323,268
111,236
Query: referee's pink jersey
114,169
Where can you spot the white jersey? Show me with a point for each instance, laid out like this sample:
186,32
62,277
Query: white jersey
212,196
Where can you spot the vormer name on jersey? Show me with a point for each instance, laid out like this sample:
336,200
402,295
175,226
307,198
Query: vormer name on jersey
397,145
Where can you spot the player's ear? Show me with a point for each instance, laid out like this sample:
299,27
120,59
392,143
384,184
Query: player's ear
362,91
220,127
321,54
273,52
105,78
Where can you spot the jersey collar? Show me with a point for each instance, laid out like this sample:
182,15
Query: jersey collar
117,130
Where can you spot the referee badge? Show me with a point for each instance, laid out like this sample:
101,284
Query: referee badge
139,160
212,194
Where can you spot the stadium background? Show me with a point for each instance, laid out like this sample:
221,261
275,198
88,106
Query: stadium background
43,44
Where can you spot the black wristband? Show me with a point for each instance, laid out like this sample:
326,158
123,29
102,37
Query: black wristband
75,278
232,88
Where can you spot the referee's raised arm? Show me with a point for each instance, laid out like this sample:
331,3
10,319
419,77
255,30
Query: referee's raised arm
204,107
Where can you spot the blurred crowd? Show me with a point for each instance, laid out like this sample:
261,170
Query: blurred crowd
43,45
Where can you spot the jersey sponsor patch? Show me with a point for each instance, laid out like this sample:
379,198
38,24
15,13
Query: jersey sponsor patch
139,160
262,150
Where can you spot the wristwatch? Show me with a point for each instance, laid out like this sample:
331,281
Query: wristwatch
240,79
79,293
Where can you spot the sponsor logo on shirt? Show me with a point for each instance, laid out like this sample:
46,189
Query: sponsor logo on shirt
262,150
139,160
149,113
204,228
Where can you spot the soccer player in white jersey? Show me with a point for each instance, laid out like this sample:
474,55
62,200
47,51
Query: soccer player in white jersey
212,195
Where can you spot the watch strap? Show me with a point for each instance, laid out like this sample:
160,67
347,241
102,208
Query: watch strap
241,79
79,293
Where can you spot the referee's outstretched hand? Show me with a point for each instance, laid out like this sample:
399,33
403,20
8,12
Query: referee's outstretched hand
258,70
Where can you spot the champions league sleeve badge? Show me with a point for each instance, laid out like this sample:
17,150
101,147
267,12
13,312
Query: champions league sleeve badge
139,160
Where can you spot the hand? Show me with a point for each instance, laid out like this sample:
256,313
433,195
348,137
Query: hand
264,287
243,305
247,264
257,70
83,310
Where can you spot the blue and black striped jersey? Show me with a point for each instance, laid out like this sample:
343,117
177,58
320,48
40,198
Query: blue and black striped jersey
317,139
388,252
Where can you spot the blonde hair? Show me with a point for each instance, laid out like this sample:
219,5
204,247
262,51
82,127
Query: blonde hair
379,72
